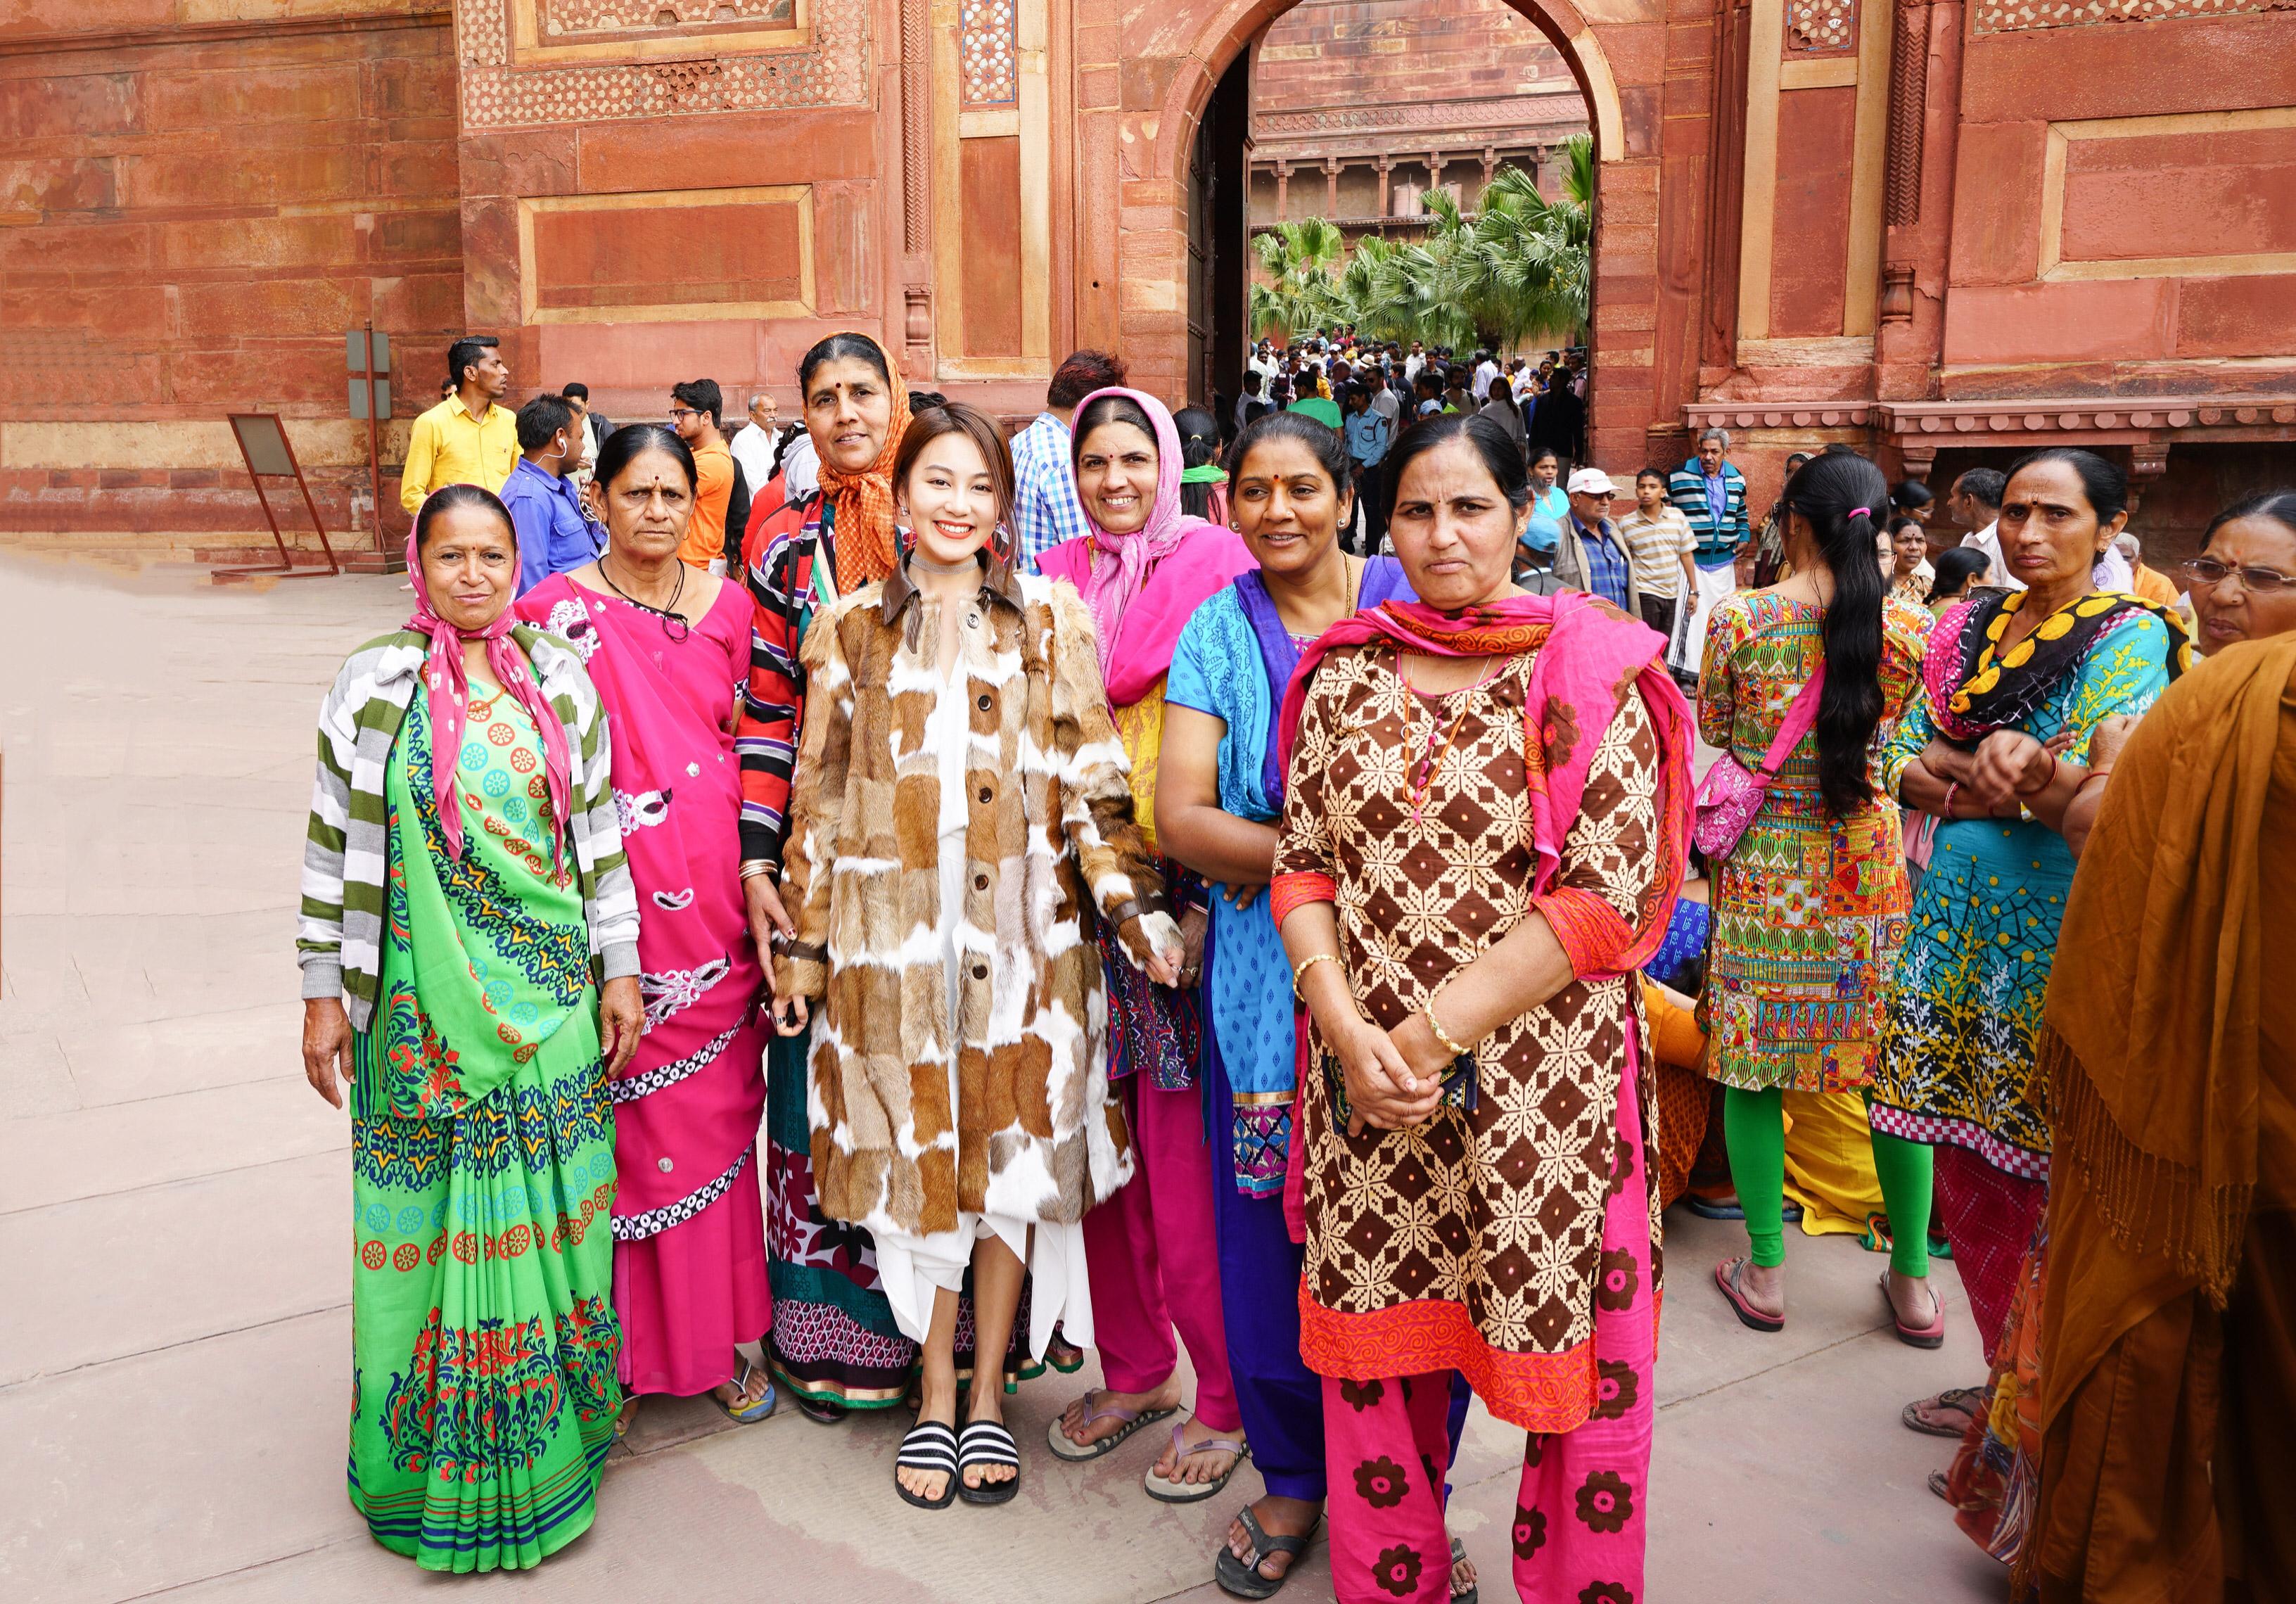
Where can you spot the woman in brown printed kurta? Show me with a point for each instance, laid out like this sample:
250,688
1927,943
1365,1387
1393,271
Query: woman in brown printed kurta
1484,831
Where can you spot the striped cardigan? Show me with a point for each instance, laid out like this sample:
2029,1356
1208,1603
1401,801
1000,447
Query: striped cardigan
1686,487
339,938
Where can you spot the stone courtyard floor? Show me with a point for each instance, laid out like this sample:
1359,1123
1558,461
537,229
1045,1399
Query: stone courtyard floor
174,1273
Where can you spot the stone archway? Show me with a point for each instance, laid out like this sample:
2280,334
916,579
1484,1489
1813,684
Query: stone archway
1157,136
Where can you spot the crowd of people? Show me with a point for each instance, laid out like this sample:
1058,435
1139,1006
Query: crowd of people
1236,880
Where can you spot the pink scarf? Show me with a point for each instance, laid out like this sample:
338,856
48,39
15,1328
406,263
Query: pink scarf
1590,656
1140,601
449,690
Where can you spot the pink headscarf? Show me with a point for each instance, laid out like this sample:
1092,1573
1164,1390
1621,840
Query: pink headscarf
448,689
1136,634
1120,562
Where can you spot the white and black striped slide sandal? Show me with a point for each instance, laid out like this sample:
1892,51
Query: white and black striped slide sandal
987,1443
929,1446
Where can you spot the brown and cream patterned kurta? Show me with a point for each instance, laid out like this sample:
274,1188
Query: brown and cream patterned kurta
1473,1242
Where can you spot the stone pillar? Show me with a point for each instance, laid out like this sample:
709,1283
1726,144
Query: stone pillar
1386,206
1490,164
2147,463
1331,188
1434,170
1282,192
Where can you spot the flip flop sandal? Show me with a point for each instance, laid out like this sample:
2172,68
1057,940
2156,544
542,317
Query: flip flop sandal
1707,1209
1474,1594
748,1414
987,1443
1727,1274
1242,1581
1965,1401
1165,1490
822,1411
1931,1336
1063,1355
1065,1447
1938,1486
929,1446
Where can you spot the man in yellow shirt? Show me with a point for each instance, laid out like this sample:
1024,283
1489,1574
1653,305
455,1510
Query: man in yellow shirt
465,439
695,407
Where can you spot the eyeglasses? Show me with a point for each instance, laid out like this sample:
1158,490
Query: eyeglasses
681,413
2208,570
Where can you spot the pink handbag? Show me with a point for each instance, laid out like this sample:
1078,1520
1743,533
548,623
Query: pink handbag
1730,793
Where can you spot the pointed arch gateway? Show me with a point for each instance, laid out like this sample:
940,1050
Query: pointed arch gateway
1157,138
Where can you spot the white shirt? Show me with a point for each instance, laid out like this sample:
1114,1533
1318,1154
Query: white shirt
753,449
1383,402
1266,367
1484,374
1412,364
1997,569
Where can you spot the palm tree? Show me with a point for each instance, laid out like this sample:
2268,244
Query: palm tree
1297,258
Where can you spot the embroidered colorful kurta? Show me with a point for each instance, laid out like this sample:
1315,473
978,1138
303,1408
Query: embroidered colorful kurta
482,1144
690,1277
1809,909
1957,1042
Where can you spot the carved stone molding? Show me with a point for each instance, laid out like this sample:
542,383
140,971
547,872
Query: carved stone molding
2088,414
2011,16
770,55
1793,415
1909,88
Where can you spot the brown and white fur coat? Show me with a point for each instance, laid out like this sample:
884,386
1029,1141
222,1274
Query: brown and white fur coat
1035,1134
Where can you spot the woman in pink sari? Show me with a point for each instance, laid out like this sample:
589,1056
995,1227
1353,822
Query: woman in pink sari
667,646
1154,1263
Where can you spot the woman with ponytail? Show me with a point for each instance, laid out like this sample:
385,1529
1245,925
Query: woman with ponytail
1810,904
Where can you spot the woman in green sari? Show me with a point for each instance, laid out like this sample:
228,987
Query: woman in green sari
468,945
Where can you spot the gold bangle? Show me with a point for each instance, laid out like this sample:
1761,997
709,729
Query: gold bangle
753,868
1427,1012
1305,963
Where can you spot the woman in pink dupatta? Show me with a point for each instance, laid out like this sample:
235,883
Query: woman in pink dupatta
1153,1255
1485,829
667,646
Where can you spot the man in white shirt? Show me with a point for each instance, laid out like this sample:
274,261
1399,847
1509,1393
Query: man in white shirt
1412,363
1486,370
1975,503
753,444
1263,361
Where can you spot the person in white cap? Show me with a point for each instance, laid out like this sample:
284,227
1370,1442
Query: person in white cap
1591,555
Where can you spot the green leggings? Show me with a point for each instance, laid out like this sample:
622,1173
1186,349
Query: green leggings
1754,1126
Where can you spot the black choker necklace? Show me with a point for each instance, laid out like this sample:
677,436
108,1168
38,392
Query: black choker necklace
673,625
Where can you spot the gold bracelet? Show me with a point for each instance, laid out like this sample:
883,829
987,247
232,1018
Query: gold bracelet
1305,963
753,868
1427,1012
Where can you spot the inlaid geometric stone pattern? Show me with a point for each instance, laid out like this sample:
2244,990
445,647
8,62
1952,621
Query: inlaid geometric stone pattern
2010,16
831,69
1821,27
560,19
987,49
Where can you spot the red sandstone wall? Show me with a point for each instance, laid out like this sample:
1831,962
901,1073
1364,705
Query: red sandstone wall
192,213
1378,53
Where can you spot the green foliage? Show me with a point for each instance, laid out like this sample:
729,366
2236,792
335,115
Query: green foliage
1518,272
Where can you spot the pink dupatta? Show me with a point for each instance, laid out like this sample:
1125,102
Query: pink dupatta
447,686
1144,587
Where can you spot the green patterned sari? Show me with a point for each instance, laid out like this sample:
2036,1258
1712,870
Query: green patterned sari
482,1144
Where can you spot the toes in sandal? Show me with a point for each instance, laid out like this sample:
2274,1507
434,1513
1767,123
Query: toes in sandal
987,1443
1475,1592
746,1414
1931,1336
1239,1580
929,1446
1066,1447
1171,1490
1967,1402
1728,1275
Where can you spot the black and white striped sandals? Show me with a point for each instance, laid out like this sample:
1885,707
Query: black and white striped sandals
987,1443
929,1446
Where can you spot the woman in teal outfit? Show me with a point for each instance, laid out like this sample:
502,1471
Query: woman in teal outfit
469,949
2051,662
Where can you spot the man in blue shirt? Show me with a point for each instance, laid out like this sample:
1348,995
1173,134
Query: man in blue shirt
1369,433
553,534
1591,554
1046,511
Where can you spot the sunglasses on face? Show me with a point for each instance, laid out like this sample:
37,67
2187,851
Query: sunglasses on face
2208,570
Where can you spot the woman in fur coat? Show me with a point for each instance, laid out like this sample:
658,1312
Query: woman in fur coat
962,822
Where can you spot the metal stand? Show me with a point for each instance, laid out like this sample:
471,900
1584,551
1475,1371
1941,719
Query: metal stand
263,446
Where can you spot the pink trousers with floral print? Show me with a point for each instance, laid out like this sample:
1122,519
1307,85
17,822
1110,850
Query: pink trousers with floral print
1579,1520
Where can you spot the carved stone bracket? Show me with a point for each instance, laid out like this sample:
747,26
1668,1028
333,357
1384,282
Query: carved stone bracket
1896,292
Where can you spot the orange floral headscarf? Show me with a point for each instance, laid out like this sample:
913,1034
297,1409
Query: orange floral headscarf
864,530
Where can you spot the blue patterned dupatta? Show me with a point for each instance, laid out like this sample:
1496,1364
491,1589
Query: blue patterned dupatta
1247,977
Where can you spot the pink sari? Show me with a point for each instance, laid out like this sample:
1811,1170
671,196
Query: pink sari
689,1232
